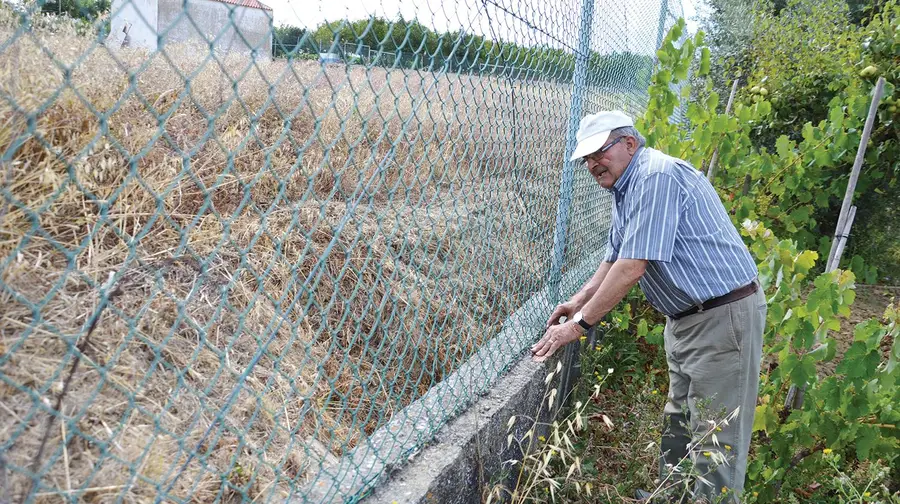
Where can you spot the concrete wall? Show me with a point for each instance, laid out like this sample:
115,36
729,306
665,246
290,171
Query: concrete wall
471,454
468,454
234,28
140,18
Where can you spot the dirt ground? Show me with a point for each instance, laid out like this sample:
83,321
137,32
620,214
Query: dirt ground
871,300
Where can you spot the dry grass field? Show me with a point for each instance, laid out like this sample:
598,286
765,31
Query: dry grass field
360,231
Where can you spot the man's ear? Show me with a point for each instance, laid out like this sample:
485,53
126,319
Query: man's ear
632,144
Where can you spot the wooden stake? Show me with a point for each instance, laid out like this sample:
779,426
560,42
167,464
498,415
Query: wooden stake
712,162
841,241
65,447
857,165
794,399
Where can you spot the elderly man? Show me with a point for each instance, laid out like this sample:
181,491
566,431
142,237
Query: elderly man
671,233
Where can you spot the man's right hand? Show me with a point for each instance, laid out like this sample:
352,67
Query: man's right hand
567,309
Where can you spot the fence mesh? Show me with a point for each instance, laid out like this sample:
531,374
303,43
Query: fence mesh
248,263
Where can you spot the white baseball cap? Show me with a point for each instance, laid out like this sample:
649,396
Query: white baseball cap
594,130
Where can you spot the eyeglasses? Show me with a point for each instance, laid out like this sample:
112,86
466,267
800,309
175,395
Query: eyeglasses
599,154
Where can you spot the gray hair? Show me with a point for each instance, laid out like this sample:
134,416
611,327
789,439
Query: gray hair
628,131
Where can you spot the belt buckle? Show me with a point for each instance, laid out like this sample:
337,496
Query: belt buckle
699,307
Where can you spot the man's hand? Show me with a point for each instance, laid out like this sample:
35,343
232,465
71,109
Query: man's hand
567,309
557,336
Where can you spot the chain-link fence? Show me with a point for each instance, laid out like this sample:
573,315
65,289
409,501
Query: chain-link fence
231,269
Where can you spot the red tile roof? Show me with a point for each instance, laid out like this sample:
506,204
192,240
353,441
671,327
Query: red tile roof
253,4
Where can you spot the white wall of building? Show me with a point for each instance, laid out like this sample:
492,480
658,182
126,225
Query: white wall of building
234,28
140,16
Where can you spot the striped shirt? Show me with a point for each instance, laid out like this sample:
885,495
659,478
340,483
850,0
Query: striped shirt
668,213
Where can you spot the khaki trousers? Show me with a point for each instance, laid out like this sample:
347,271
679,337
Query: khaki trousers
714,359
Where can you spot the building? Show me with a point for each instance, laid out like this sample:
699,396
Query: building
230,25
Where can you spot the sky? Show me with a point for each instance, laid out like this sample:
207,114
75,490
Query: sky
618,24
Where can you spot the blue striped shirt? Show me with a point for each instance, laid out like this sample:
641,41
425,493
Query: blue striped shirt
668,213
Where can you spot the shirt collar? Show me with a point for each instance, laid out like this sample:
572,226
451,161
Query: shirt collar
621,185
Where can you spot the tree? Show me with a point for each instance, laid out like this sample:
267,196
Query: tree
805,58
728,25
290,40
89,10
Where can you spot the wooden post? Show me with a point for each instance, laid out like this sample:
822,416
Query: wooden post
794,399
857,164
747,180
795,395
841,241
712,163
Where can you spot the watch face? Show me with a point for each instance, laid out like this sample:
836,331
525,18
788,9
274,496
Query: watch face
579,319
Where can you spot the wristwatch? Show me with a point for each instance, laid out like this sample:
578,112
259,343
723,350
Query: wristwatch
579,319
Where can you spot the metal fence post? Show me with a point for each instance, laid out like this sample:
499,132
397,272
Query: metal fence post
582,59
663,13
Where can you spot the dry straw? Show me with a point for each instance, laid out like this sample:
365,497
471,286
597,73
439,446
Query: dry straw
212,190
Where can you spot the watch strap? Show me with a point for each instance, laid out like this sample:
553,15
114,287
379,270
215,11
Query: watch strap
583,323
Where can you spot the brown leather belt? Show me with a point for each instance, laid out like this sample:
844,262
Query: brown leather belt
736,294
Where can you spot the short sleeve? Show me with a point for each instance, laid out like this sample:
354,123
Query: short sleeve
654,214
612,247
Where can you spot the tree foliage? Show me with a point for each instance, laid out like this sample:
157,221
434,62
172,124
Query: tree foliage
728,25
89,10
291,41
813,64
403,43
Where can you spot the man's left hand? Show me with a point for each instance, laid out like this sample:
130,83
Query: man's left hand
556,337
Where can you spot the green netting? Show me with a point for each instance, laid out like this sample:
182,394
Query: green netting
248,263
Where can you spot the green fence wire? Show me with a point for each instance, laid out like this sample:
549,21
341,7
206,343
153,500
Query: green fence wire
241,262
